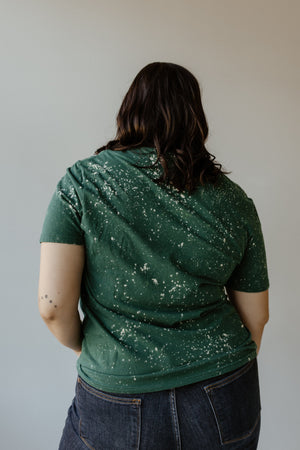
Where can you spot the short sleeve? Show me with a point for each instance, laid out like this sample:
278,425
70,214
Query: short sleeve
62,222
251,274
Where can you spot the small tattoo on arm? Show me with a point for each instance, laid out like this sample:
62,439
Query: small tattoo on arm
50,301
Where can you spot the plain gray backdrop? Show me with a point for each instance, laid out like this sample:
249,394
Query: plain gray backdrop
65,67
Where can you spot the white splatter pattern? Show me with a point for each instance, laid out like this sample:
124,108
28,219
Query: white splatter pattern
157,260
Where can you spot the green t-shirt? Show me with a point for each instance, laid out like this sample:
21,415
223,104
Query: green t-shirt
156,312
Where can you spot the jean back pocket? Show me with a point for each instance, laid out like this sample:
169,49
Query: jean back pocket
235,401
107,421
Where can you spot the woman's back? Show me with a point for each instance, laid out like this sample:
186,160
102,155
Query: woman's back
157,261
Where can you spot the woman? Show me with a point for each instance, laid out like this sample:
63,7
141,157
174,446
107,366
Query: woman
167,256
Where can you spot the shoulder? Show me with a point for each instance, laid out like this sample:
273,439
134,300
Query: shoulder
234,199
230,187
103,162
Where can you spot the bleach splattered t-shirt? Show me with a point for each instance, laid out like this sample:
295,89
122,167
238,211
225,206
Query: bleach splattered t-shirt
156,312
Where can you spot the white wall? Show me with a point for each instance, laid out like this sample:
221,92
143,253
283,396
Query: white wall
66,66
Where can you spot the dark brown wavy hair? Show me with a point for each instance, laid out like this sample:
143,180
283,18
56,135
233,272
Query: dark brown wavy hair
163,109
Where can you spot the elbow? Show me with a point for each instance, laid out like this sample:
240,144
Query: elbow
51,312
267,314
264,319
48,312
267,318
48,315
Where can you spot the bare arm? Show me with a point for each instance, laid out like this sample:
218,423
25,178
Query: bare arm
253,308
61,268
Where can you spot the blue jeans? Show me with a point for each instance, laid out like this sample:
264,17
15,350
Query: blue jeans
219,413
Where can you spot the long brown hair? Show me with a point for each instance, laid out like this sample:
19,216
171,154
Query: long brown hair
163,109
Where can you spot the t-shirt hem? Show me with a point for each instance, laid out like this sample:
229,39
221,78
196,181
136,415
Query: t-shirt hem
249,289
61,240
160,381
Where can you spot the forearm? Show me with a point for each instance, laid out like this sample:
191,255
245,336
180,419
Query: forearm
254,322
67,328
253,309
256,331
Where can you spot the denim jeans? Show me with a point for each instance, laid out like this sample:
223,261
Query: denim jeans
218,413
